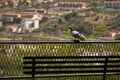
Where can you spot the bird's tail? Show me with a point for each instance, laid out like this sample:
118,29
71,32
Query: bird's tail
83,39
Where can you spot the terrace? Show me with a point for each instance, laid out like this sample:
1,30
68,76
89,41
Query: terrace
12,53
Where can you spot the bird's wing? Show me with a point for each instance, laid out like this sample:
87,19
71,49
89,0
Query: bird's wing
76,34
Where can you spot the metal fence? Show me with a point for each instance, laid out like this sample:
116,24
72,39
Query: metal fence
12,53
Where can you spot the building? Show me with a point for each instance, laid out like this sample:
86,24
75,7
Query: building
3,2
26,23
28,1
39,11
33,13
24,15
8,17
29,23
111,34
112,3
70,5
36,23
29,14
16,2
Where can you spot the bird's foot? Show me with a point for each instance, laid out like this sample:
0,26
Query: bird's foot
76,40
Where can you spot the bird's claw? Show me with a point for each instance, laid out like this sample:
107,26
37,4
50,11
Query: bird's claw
76,41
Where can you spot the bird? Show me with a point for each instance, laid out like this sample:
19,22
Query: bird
77,35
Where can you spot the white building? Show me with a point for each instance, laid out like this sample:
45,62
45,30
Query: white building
36,23
29,23
112,3
26,23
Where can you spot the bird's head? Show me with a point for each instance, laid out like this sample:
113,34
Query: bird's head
70,28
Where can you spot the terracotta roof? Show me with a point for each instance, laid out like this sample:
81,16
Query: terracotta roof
9,14
72,2
28,13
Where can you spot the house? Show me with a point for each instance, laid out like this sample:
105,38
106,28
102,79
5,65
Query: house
3,2
8,17
42,11
118,34
26,23
11,17
29,23
39,11
70,5
15,2
111,34
112,3
24,15
28,1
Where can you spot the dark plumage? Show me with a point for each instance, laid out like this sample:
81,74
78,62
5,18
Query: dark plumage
77,35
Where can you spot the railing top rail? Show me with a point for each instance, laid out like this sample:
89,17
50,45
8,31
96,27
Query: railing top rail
57,41
69,57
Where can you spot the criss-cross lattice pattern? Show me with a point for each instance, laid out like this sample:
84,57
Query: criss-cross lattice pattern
11,54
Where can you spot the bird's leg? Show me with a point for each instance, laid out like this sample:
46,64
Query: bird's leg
76,39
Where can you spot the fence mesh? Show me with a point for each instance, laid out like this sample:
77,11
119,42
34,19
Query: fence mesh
11,55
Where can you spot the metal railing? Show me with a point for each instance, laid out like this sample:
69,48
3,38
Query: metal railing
12,53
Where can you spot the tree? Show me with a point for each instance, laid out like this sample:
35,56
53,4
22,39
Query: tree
70,15
44,19
60,21
2,28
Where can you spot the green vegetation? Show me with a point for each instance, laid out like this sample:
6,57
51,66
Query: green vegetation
100,30
70,15
26,38
114,23
82,20
2,29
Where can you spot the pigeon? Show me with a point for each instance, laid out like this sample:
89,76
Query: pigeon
77,35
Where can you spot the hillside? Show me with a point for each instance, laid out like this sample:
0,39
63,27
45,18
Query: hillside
94,21
95,15
83,24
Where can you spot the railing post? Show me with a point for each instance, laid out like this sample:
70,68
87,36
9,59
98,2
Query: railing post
33,69
105,68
